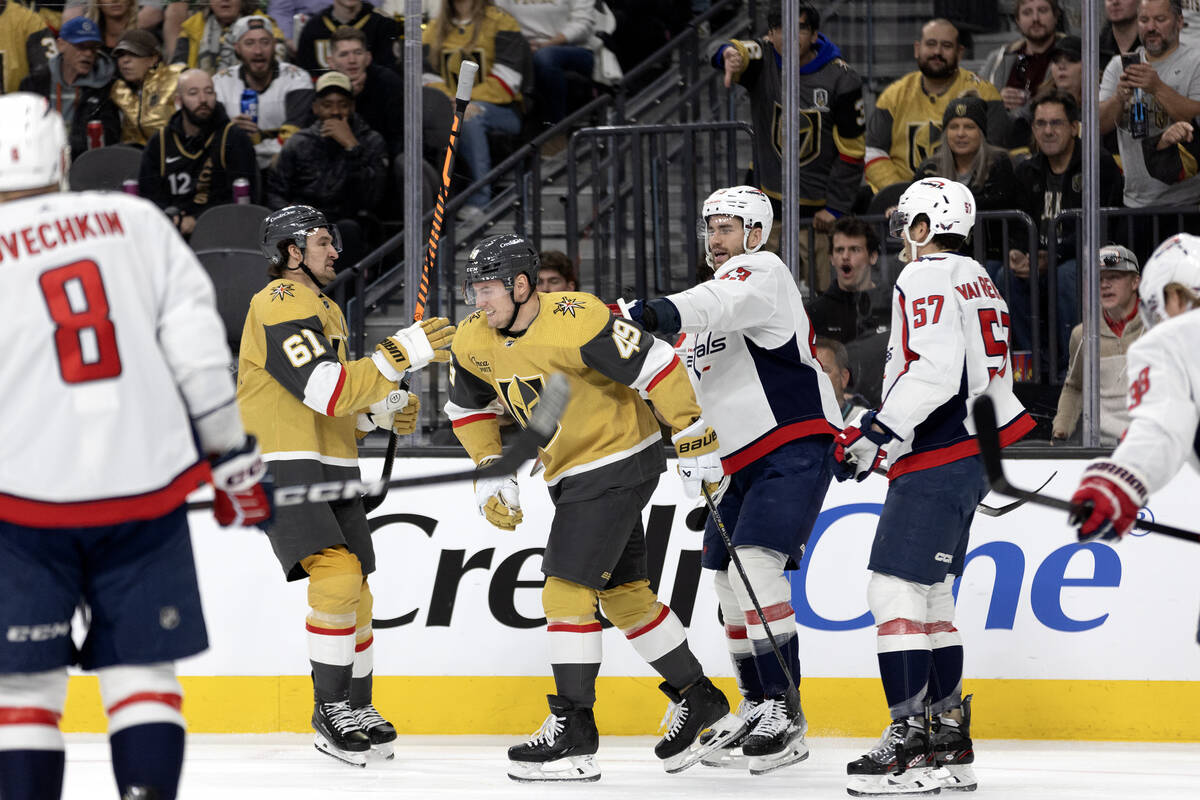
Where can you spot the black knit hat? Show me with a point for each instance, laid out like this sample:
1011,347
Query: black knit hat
973,108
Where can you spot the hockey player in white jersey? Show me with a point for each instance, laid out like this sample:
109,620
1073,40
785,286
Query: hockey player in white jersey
753,363
118,404
948,346
1164,397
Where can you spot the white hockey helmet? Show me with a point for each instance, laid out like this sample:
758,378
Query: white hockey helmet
33,144
750,205
1177,260
948,204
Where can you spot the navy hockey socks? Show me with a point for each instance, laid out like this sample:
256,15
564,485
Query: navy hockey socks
148,756
772,678
945,685
31,774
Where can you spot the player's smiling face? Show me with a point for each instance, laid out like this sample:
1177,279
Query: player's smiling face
494,301
725,238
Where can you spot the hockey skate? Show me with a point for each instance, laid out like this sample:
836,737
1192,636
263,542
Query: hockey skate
902,763
339,734
730,756
777,739
701,707
953,752
381,732
563,749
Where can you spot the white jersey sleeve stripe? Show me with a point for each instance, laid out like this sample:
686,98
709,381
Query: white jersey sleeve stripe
324,387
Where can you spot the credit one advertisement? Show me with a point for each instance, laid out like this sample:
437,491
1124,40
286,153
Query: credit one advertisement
455,596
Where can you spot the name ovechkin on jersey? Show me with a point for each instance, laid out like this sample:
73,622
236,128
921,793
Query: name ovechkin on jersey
34,240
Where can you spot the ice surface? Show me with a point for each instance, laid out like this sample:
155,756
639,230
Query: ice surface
266,767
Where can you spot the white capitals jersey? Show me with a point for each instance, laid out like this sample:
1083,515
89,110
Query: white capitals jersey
114,343
1164,402
750,355
948,346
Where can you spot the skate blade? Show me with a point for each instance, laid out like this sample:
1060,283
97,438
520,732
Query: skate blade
911,782
794,753
956,778
572,768
383,752
724,730
351,757
726,758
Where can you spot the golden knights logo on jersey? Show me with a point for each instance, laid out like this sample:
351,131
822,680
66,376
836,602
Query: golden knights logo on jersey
522,394
808,146
568,305
923,138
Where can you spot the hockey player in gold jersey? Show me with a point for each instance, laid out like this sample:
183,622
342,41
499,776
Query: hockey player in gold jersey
305,400
601,465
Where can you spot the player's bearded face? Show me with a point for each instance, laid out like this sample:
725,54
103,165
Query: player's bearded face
320,254
725,238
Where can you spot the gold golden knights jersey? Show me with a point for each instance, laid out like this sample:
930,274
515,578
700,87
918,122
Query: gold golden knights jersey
610,364
298,393
906,125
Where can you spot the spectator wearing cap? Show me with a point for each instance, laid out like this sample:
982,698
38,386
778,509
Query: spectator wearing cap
190,165
266,98
113,16
1119,279
145,88
337,165
32,44
556,272
206,38
1018,69
77,83
1065,75
312,43
965,155
1048,183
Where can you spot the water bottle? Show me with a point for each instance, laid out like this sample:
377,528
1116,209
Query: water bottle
250,104
1139,126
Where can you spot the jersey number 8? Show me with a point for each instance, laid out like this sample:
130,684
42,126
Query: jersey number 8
84,336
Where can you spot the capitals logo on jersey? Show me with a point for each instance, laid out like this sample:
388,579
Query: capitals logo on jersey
522,394
705,346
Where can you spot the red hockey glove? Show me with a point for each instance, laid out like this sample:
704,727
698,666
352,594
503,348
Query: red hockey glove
1107,500
858,449
243,493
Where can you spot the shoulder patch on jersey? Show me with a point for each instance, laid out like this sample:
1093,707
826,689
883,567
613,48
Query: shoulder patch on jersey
568,305
283,290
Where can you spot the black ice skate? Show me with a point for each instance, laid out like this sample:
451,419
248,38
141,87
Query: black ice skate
381,732
902,763
953,752
701,707
777,738
730,756
339,734
563,749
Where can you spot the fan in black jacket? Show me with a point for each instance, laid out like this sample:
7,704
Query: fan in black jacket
191,164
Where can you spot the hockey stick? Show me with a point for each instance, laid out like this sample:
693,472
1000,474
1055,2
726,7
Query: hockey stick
462,96
737,562
542,425
698,516
989,450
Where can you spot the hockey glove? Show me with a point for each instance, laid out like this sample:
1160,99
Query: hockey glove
699,460
243,493
656,316
1107,500
414,347
499,499
857,449
397,412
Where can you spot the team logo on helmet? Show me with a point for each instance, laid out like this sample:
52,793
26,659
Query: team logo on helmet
567,305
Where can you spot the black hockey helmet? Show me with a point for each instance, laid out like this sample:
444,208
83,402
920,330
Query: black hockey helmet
293,224
502,257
